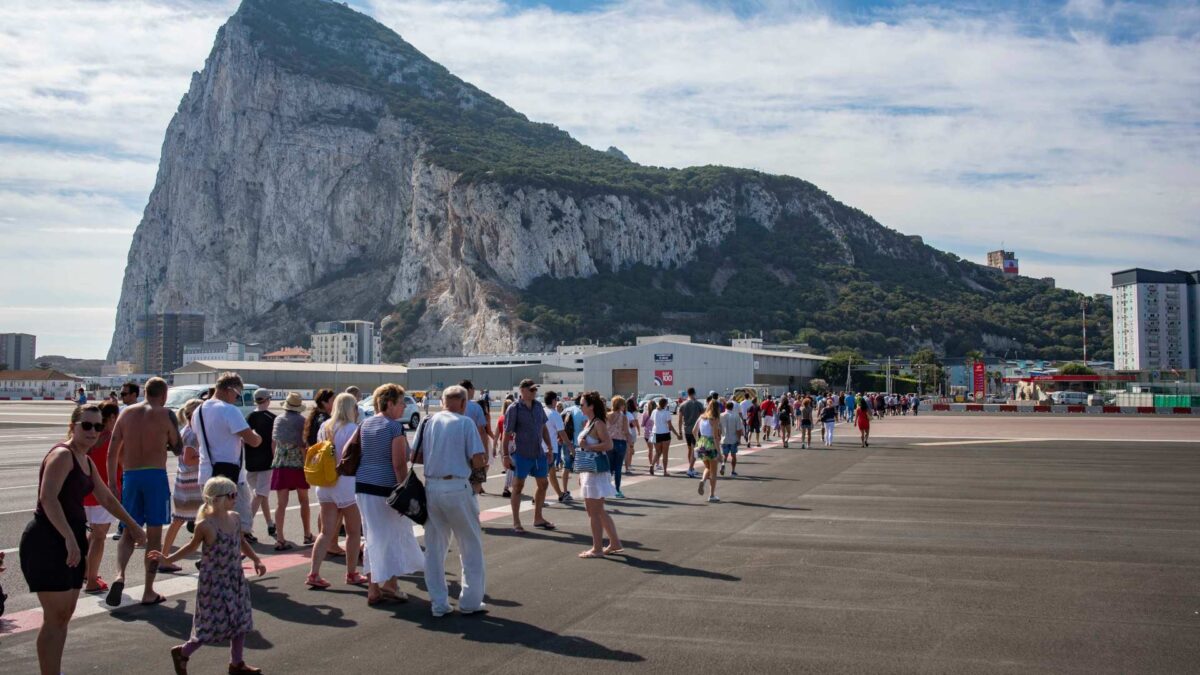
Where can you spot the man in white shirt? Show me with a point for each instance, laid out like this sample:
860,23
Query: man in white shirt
451,448
222,430
558,437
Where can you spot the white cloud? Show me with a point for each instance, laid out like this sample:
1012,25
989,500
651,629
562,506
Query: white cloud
966,130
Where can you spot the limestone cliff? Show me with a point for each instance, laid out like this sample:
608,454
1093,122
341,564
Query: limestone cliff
319,168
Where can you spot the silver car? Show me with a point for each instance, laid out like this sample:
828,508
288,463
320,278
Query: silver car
410,406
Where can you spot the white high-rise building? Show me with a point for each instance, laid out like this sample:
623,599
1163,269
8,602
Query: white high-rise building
346,342
1156,319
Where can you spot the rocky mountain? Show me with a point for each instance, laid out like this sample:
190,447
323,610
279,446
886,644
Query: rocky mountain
320,167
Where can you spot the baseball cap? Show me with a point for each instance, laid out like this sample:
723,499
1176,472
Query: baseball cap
528,384
262,395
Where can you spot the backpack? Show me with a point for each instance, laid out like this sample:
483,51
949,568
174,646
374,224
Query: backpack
320,464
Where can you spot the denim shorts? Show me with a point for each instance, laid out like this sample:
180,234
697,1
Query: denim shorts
564,458
729,448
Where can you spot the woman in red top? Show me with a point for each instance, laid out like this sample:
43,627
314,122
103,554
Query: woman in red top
99,519
496,449
862,419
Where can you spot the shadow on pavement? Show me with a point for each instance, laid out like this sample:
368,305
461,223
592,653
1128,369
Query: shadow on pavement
561,536
670,569
281,606
491,629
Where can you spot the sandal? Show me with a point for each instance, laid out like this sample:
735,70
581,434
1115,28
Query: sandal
547,525
284,546
101,586
314,581
356,579
170,569
336,552
591,554
179,660
309,540
614,551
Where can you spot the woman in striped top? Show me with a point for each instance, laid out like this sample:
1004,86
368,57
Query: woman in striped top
392,549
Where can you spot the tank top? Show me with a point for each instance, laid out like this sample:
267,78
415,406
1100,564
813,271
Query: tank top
75,487
618,428
706,428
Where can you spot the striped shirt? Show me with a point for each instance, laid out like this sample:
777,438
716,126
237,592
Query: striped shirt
376,476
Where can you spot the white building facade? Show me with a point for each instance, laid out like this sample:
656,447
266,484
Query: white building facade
347,342
1156,319
219,350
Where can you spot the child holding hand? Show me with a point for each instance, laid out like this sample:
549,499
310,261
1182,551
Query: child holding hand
223,609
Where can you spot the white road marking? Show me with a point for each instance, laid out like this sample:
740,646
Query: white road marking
980,441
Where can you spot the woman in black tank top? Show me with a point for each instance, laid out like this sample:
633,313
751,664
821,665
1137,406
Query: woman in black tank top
54,545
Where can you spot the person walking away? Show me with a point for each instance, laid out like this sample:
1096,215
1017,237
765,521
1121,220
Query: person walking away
618,431
500,445
768,417
806,422
635,430
317,417
98,517
732,429
525,428
916,404
573,420
754,422
828,417
664,428
188,496
451,449
477,414
708,433
862,419
287,467
689,411
224,435
258,460
558,437
595,485
53,549
223,610
647,423
783,417
141,439
336,501
392,549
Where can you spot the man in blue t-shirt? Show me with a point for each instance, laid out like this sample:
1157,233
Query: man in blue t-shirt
566,457
525,428
480,418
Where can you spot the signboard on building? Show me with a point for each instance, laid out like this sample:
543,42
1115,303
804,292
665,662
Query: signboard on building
664,358
980,379
1010,266
664,378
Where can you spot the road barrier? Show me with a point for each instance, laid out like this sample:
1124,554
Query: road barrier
1000,408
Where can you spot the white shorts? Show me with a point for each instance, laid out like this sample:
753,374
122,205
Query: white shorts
769,421
259,482
340,494
98,515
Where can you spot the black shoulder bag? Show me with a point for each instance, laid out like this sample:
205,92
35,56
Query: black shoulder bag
408,498
227,469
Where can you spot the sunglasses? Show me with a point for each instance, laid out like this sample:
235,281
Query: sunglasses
92,426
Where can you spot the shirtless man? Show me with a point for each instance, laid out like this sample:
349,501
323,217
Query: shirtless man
144,433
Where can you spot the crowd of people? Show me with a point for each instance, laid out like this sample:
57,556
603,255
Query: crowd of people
112,468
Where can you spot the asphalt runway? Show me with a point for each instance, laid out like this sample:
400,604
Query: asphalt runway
988,553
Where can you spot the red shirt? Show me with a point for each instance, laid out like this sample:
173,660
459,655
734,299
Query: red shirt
99,455
768,408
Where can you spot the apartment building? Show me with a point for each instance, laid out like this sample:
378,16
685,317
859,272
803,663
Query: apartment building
1156,319
346,342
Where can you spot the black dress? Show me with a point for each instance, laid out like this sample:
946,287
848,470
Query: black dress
43,550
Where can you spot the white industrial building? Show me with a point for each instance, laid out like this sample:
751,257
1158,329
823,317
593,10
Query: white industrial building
296,376
1156,319
346,342
669,364
221,350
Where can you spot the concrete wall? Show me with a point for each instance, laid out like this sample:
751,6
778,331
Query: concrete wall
692,365
296,380
493,378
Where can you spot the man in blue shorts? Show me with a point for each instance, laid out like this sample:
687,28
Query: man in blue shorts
140,440
525,423
732,429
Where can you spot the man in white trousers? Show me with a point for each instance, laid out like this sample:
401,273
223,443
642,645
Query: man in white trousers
451,447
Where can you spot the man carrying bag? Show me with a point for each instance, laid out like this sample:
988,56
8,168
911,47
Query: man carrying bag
450,447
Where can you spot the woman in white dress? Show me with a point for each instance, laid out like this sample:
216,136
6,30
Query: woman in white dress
338,499
596,486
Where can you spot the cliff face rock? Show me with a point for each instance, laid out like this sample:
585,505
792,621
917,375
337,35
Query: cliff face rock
321,168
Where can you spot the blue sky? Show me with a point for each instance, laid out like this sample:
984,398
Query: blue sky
1066,131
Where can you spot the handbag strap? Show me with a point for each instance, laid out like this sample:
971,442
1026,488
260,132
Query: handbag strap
204,433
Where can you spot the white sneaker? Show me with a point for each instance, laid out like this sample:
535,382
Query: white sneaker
714,498
481,608
442,611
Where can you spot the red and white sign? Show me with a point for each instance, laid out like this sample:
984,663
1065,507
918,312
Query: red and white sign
1010,266
664,378
980,380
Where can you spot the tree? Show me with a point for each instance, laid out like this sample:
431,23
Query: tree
3,366
929,369
1075,368
834,370
817,385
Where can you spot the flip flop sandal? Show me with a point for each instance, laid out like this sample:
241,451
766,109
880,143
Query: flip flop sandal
169,568
591,554
519,530
316,582
545,526
336,552
113,598
284,546
158,600
179,660
614,551
309,540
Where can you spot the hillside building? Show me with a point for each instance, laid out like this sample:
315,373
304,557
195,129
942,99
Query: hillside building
289,355
1156,319
18,350
159,340
346,342
1005,261
37,384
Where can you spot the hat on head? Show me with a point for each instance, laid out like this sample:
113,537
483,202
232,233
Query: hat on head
293,402
262,395
528,384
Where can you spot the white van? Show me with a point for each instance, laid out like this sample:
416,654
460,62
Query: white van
1069,398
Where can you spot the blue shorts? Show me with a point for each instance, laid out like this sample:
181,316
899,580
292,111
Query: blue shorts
146,495
525,467
729,448
563,457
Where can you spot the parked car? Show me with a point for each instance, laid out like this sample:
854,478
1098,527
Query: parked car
410,406
672,404
1069,398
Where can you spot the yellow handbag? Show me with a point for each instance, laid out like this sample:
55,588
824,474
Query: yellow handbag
320,464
